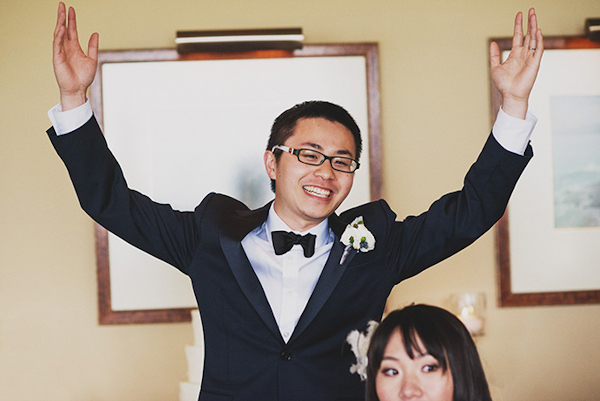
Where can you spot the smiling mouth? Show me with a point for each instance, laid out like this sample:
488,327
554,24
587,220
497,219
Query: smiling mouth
320,192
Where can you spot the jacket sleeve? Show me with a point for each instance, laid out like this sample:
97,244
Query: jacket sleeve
103,193
456,219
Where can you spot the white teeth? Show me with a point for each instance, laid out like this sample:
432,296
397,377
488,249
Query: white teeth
323,193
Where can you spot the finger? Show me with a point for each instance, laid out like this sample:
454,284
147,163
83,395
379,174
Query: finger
72,27
540,45
57,44
532,28
532,13
494,55
93,46
60,18
518,32
532,22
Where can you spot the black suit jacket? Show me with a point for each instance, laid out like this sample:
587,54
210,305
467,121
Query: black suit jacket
245,355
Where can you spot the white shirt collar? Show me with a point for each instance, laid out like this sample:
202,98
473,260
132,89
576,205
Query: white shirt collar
274,223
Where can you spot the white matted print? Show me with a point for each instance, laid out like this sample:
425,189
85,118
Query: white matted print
554,214
182,128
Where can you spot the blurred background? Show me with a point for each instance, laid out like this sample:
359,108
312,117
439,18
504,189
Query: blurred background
435,105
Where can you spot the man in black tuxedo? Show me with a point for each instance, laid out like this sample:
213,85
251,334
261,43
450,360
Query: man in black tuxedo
276,307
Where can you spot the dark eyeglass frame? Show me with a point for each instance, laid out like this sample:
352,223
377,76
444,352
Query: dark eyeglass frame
353,164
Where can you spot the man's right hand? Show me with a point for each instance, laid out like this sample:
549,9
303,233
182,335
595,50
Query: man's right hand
74,70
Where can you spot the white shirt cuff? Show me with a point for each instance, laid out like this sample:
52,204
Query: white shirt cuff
68,121
512,133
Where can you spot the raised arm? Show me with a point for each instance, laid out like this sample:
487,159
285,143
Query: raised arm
74,70
514,78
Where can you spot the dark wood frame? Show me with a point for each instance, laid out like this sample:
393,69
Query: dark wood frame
369,50
506,296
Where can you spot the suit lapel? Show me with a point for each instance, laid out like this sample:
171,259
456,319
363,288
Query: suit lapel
231,236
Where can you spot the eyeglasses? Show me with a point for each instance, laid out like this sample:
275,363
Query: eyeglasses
314,158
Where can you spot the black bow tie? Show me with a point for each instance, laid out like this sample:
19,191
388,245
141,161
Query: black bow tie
283,241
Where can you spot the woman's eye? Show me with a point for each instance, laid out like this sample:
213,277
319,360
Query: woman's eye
431,368
389,371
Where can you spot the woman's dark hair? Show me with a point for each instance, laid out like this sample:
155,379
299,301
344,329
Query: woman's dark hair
284,125
444,337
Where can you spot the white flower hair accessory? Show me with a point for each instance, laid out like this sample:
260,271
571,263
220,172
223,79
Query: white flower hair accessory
356,236
359,344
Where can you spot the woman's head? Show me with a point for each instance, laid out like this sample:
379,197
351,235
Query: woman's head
424,351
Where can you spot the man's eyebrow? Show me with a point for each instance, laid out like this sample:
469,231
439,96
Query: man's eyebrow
316,146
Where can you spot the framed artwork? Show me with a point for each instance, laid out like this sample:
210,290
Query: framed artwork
184,125
548,242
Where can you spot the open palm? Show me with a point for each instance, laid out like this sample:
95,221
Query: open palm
74,70
514,78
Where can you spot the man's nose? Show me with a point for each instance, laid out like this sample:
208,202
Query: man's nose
325,169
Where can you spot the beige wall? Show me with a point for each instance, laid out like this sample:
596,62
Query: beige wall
435,118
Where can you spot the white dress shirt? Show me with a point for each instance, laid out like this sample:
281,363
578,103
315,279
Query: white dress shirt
288,280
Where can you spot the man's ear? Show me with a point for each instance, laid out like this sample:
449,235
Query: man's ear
270,164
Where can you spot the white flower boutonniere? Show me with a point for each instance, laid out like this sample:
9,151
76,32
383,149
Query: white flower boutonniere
359,344
356,236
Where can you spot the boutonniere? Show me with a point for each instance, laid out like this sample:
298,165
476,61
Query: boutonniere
356,236
359,344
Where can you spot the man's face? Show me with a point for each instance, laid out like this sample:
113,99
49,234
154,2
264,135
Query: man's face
305,195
